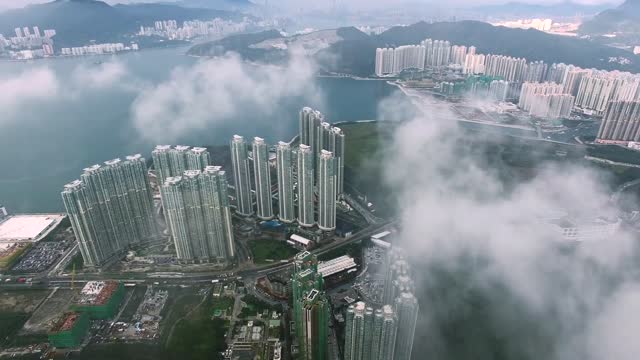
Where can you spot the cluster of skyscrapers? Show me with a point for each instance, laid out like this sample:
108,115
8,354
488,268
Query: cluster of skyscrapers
586,90
195,202
388,332
546,100
621,122
28,43
110,208
309,176
190,29
429,53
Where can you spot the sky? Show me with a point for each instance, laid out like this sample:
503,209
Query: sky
5,4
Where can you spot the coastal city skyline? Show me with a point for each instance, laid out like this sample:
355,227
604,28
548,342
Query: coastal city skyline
241,179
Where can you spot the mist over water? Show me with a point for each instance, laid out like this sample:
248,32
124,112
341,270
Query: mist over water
72,113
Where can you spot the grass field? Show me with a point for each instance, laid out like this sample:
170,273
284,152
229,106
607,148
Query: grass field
255,306
194,334
264,250
222,303
362,140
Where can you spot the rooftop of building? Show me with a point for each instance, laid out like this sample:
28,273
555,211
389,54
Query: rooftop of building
66,322
198,150
162,148
113,162
182,147
73,185
334,266
27,227
92,168
97,292
134,157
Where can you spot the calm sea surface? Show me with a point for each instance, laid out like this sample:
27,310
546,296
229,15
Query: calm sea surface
48,143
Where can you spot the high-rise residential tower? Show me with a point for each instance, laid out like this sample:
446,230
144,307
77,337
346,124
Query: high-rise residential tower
262,176
306,214
284,160
332,139
385,330
198,215
315,326
621,122
369,335
310,307
240,163
327,191
310,120
110,208
174,161
407,308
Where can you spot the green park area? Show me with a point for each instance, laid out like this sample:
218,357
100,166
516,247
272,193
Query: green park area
222,305
266,251
254,306
363,140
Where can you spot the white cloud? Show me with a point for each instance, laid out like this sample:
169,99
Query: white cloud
104,75
219,90
26,87
456,204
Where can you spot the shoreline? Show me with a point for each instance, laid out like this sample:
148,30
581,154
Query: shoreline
65,57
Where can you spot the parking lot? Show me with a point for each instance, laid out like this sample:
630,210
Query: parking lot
41,256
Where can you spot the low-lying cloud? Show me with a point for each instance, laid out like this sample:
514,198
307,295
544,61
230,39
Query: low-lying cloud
219,90
26,87
459,214
104,75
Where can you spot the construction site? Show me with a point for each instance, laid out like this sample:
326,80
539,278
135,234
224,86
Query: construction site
100,299
69,331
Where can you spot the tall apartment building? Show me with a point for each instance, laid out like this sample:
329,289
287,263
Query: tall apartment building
240,164
199,216
621,122
556,73
572,79
535,72
174,161
406,308
327,191
499,90
310,307
332,139
306,211
369,335
474,64
262,175
508,68
284,164
310,121
110,208
458,54
545,100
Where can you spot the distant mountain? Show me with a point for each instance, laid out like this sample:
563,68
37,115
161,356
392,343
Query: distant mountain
624,19
240,43
79,21
230,5
529,10
350,51
530,44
